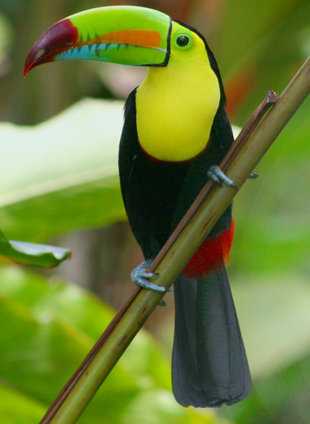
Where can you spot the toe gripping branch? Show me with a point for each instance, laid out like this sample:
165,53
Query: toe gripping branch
140,276
217,175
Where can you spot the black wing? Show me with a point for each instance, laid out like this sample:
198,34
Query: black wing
129,146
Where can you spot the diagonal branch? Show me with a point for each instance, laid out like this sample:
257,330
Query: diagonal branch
255,138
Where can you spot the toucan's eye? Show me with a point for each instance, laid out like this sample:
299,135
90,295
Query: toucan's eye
182,40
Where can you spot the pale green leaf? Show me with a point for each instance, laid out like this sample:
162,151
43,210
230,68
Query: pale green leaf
32,253
62,174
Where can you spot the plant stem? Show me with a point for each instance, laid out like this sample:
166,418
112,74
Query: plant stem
245,154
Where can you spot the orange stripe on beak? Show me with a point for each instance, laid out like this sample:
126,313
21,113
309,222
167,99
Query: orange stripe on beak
132,37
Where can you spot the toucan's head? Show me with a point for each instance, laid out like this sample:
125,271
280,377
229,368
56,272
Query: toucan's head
127,35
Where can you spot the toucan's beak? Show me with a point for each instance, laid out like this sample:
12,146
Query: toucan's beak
121,34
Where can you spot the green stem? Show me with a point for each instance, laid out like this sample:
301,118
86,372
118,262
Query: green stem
191,232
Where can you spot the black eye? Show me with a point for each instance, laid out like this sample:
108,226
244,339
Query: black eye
182,40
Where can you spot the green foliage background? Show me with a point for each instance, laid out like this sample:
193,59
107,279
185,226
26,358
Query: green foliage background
58,174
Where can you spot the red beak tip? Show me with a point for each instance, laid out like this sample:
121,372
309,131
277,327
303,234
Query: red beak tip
56,39
26,70
28,66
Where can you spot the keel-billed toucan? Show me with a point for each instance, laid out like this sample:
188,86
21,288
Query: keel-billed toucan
175,130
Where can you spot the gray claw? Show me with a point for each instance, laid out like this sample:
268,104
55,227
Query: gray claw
140,277
218,176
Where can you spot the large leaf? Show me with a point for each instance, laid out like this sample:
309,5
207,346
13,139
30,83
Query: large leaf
32,253
46,328
61,175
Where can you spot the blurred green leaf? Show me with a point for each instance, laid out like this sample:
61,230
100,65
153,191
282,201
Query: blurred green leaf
272,212
17,408
247,42
5,36
47,328
274,317
264,49
62,174
157,407
282,397
32,254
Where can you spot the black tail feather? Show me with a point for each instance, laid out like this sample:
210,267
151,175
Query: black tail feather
209,364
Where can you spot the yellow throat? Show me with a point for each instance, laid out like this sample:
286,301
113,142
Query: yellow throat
176,104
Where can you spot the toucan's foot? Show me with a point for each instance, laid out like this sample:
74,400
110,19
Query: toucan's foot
253,175
140,277
218,176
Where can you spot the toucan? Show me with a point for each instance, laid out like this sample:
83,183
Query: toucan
175,134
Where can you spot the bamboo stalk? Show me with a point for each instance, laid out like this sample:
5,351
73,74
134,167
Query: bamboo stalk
245,154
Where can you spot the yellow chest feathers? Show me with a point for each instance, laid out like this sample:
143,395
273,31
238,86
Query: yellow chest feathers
176,106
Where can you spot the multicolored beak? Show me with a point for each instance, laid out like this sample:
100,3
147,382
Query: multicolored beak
128,35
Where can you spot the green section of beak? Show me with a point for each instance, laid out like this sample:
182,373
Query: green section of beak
128,35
